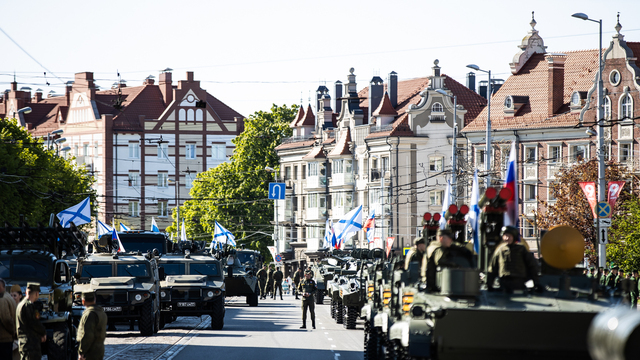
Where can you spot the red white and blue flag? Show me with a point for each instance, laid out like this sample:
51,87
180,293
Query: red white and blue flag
511,215
370,226
114,236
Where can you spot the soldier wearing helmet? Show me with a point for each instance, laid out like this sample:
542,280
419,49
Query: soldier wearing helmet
512,263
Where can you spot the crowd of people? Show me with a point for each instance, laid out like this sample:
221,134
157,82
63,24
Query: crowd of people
617,282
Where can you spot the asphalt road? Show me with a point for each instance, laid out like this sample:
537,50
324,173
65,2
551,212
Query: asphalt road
268,331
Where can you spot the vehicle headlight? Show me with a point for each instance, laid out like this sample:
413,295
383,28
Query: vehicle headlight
210,293
163,294
138,297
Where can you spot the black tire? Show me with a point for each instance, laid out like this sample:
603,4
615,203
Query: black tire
58,345
252,299
333,309
319,297
146,323
371,345
350,317
217,314
156,323
163,321
339,312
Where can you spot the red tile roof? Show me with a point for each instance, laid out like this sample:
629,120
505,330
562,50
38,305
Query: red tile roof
295,145
315,153
385,107
342,146
298,118
309,119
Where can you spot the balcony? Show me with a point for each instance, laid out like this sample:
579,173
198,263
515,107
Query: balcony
316,182
317,213
343,179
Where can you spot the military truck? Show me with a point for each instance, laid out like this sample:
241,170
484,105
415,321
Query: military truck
143,241
193,286
126,285
240,278
34,254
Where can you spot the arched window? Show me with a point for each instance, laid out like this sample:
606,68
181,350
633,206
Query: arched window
182,115
190,116
607,108
626,107
575,98
199,115
508,102
437,107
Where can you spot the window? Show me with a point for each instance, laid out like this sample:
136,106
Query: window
607,108
508,102
436,163
163,179
551,196
163,209
295,173
312,169
614,77
480,155
312,201
530,154
163,150
437,107
575,98
529,192
134,150
133,178
435,197
287,172
188,178
528,230
134,208
625,153
342,199
190,151
304,172
76,151
338,166
312,232
219,151
626,107
85,150
385,163
348,166
374,163
578,152
505,151
554,154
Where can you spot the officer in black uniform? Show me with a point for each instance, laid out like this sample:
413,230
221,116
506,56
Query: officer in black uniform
307,289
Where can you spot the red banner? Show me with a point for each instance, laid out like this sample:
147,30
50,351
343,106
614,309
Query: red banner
589,189
389,245
614,188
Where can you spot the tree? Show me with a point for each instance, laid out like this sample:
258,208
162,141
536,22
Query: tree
624,236
235,192
34,181
571,206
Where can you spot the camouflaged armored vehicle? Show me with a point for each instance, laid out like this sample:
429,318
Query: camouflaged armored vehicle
240,278
193,285
127,286
34,254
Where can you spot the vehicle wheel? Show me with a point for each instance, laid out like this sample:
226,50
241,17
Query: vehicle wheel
339,312
147,319
156,323
333,309
162,321
319,297
57,346
252,299
371,346
350,317
217,315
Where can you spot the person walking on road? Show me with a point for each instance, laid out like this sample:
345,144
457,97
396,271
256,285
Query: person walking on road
270,281
307,289
262,279
277,278
297,278
31,332
92,329
7,322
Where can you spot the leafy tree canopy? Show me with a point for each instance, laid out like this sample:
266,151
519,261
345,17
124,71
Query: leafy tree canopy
34,181
235,192
624,236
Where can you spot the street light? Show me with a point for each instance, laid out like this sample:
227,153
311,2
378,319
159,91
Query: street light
454,143
602,255
487,152
177,182
21,112
275,202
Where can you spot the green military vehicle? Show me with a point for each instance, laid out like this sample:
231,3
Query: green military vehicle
143,241
193,286
241,267
34,254
127,286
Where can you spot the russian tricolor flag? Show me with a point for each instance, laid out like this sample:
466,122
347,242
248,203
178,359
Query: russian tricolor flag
511,215
370,226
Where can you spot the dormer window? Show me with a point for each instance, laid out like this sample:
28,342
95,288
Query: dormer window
578,99
575,98
513,103
437,108
508,102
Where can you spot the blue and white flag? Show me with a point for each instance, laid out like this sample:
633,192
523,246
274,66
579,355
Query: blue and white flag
474,214
328,236
154,226
124,227
103,229
79,214
183,232
445,205
350,224
223,235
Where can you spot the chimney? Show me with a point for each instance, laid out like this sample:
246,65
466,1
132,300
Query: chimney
376,92
67,92
165,88
149,80
482,88
38,96
555,83
392,86
338,94
189,76
14,86
471,81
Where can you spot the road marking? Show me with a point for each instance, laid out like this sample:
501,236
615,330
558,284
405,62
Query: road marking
326,333
330,339
175,349
336,356
323,328
333,346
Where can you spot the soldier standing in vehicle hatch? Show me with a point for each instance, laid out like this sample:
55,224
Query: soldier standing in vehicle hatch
307,289
92,329
262,278
31,332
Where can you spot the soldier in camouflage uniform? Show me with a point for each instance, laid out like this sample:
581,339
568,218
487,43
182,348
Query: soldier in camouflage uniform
31,332
307,289
270,281
416,253
603,279
297,278
277,278
633,293
512,263
92,329
262,278
443,252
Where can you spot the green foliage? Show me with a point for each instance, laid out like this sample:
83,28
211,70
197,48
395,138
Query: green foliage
235,192
624,236
34,181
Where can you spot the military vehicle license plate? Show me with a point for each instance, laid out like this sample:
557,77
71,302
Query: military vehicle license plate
187,304
112,308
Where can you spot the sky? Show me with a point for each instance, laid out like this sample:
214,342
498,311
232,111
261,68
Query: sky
251,54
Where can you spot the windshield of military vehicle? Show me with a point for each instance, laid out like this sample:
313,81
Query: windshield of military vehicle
135,270
96,271
143,242
174,269
210,269
24,269
246,257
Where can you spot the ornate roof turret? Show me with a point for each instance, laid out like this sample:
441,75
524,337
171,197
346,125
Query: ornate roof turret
531,44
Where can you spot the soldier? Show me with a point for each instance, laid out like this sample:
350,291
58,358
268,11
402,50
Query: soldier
262,278
633,293
7,322
512,263
270,281
416,253
277,278
610,281
308,288
603,279
31,332
297,277
443,252
92,329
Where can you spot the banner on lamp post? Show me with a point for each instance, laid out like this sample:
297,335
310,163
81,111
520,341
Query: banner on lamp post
589,189
614,188
389,244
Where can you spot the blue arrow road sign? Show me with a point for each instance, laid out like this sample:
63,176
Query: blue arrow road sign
604,209
276,191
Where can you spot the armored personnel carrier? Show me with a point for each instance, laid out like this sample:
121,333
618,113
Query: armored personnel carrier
127,285
35,254
193,285
241,268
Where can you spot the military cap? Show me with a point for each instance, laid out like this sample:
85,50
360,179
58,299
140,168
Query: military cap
15,288
308,272
89,296
445,232
419,240
615,267
512,230
33,286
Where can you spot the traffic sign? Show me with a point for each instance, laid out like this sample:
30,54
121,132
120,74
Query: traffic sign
603,209
276,191
604,236
405,251
604,222
278,258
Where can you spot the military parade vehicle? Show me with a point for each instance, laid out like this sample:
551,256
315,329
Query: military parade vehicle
193,285
323,273
353,294
144,241
241,267
126,285
35,254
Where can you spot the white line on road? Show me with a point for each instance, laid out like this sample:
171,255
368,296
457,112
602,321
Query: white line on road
329,339
336,356
174,350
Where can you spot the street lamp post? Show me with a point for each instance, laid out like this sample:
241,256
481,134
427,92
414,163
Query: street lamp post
487,151
454,160
602,255
277,229
177,182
